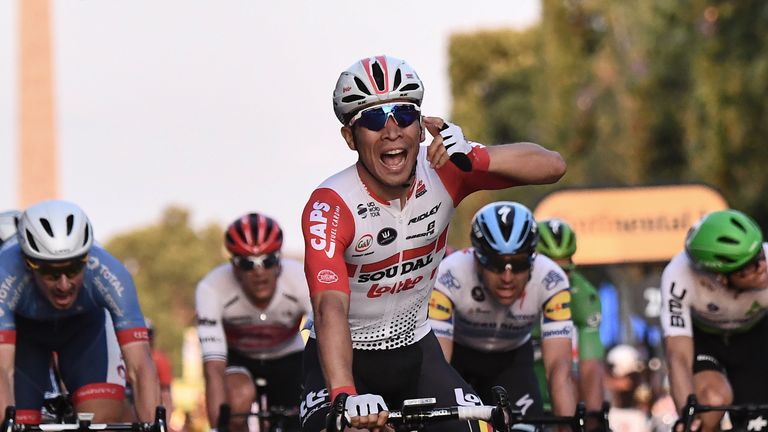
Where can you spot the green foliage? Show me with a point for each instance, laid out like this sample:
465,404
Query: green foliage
630,93
167,260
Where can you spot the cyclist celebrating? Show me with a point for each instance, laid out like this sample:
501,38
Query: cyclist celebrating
558,241
62,293
248,316
714,301
8,222
486,301
374,235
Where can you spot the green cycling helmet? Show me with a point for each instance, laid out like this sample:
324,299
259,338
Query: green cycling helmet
556,239
724,241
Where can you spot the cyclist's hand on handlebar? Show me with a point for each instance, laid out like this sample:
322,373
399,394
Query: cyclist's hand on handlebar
367,411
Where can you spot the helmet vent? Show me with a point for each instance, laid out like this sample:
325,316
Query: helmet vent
361,86
352,98
31,241
378,76
85,236
70,223
738,225
46,226
409,87
728,240
398,79
724,258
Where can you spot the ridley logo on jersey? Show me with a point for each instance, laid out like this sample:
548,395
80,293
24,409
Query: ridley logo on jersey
322,239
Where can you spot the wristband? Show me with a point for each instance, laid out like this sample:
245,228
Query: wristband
480,158
350,390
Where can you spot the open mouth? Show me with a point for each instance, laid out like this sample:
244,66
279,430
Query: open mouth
62,299
394,159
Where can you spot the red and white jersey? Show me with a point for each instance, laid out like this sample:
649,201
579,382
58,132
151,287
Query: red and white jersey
691,296
226,319
464,310
383,255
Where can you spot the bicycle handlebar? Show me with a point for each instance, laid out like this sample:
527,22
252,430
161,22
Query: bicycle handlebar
692,407
84,424
418,413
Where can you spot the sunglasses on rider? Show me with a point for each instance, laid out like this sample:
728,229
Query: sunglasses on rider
500,265
375,118
248,263
55,270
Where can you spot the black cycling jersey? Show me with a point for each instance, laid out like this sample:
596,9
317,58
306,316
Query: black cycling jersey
415,371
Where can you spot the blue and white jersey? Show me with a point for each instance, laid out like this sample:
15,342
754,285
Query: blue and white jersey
106,285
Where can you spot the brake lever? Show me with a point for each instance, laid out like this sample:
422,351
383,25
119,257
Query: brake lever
336,421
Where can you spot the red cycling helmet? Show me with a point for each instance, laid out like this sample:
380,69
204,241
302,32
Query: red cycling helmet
253,234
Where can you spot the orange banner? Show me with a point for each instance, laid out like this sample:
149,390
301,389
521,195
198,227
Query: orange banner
632,224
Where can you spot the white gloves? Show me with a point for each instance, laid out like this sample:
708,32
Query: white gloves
457,146
363,405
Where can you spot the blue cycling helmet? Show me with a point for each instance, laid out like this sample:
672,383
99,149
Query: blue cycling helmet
504,228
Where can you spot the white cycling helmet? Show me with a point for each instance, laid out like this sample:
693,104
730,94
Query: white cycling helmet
8,222
55,230
623,360
375,80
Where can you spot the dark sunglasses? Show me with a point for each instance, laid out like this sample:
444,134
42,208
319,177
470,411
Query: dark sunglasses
500,265
70,269
375,118
248,263
752,265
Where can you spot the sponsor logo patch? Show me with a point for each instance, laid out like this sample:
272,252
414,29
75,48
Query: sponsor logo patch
386,236
440,306
327,276
558,307
364,243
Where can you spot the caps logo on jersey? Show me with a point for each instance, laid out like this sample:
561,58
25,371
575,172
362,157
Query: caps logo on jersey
386,236
558,307
440,306
323,239
364,243
327,276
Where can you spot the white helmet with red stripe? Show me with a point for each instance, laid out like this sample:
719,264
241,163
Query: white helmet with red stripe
253,234
372,81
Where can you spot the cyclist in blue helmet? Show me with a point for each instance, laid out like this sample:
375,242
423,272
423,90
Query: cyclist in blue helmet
486,301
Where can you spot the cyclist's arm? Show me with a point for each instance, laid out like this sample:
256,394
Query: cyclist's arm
591,374
215,390
441,310
334,342
586,317
141,370
7,362
679,351
213,343
526,163
557,364
328,227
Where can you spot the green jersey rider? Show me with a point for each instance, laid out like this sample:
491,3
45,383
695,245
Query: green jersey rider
557,240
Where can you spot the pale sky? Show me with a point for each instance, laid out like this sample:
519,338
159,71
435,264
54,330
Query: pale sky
220,106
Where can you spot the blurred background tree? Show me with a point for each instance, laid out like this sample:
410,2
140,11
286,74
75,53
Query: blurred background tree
167,260
629,93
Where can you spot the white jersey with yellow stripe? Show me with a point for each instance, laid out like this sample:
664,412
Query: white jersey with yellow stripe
462,309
